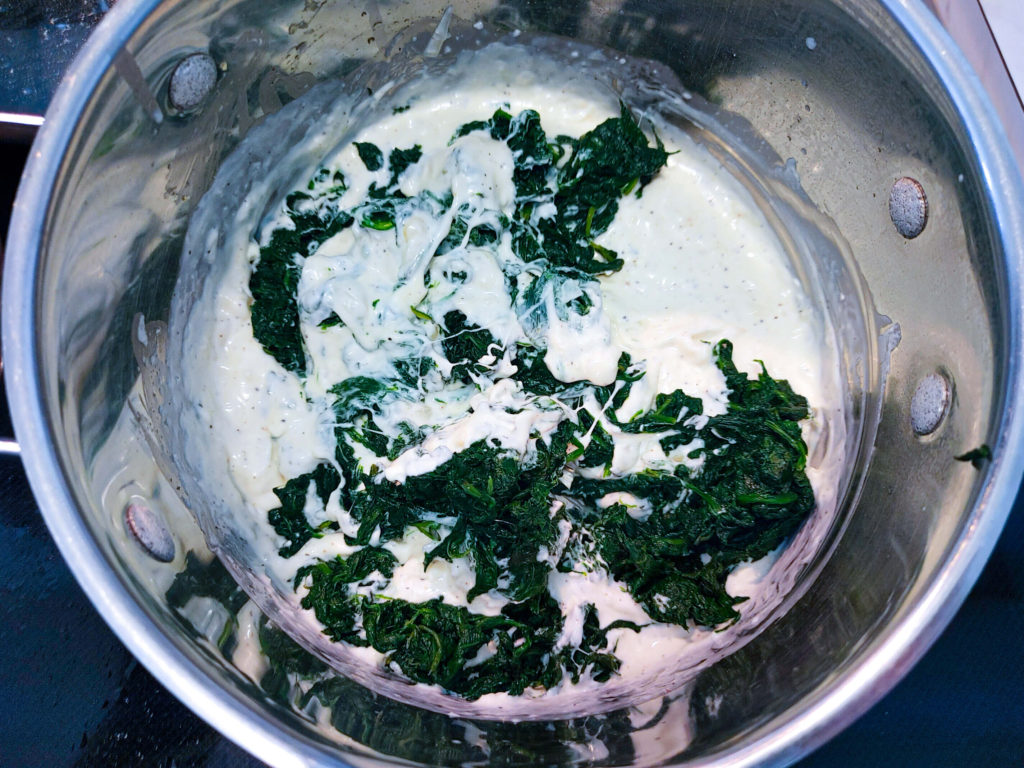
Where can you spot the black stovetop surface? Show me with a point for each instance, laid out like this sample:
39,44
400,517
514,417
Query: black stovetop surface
72,695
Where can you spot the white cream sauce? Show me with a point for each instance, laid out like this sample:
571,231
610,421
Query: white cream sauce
701,264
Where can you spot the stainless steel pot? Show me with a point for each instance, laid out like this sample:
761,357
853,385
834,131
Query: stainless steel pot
859,94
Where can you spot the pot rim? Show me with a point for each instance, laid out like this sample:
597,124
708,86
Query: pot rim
789,736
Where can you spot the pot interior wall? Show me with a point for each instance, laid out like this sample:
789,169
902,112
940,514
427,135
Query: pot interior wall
838,87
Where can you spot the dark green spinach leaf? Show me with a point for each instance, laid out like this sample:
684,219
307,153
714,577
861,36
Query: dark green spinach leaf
289,520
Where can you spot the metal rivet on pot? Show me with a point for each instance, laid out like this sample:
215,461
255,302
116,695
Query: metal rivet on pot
908,207
150,530
191,81
930,403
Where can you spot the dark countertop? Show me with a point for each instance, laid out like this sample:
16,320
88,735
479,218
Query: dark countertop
71,695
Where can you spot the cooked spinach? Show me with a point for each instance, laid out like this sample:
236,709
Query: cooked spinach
385,205
534,374
275,276
749,496
399,161
357,400
289,520
603,165
329,595
434,642
481,235
501,509
734,490
370,154
464,345
274,311
331,321
600,447
316,217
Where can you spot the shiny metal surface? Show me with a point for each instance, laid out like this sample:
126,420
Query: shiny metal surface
103,208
